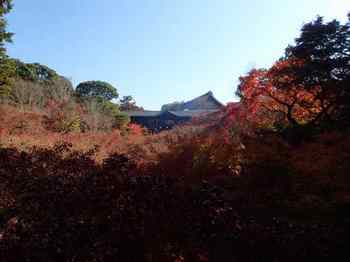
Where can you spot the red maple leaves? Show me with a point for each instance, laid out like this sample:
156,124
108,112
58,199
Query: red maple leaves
273,98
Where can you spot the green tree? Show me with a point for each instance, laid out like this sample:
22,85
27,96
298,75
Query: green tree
6,66
5,8
103,114
35,72
98,89
127,103
7,72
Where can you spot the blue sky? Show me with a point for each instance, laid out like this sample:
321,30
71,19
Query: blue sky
161,51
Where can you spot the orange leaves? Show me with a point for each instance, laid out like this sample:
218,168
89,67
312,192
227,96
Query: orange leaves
273,96
135,129
252,84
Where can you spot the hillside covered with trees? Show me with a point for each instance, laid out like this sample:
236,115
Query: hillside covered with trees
265,179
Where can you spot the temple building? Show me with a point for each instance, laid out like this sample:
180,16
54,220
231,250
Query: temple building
176,113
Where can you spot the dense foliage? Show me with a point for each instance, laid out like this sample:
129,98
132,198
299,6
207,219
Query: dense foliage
36,85
7,71
59,205
307,90
324,49
97,89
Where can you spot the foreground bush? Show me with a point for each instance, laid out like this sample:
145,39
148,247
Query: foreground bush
59,205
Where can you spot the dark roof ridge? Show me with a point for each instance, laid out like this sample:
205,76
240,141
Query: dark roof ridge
209,94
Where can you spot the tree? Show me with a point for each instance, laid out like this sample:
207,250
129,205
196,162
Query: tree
5,8
31,94
103,114
27,95
6,67
35,72
97,89
34,85
127,103
7,72
308,88
324,49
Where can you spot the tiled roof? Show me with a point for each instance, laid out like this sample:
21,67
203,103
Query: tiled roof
201,105
192,113
143,113
185,113
203,102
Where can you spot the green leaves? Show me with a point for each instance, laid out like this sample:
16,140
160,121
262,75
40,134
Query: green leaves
6,68
5,7
7,71
100,94
97,89
127,103
35,72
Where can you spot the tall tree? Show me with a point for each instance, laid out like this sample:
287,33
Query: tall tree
6,66
5,8
7,72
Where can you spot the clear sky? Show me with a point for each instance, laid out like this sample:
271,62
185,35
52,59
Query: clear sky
160,51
